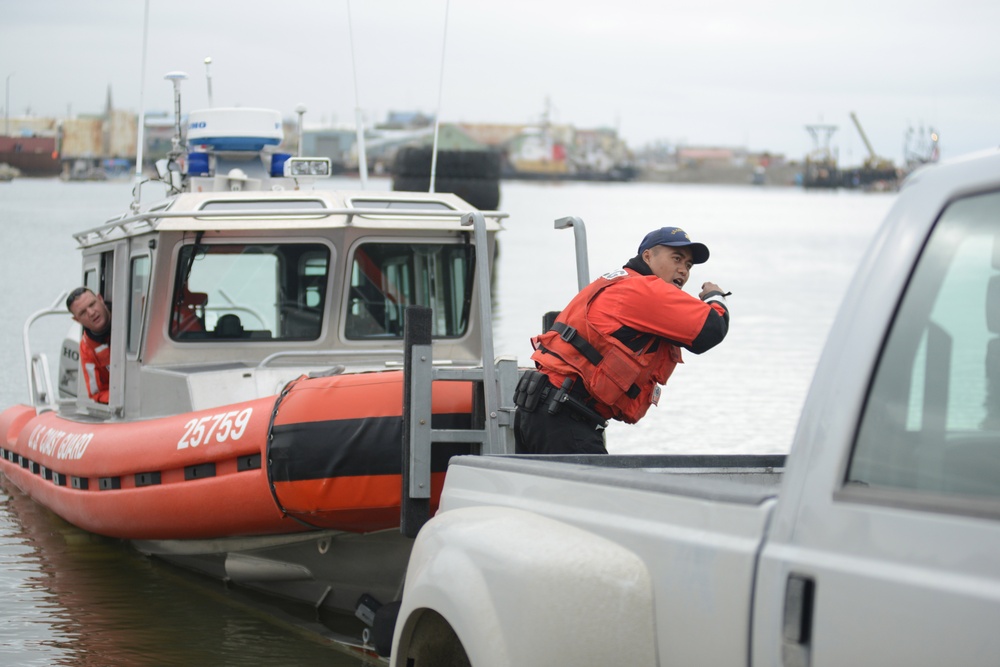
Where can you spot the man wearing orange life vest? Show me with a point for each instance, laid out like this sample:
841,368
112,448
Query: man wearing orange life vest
612,347
94,316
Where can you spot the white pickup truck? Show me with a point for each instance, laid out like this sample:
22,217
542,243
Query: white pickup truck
876,542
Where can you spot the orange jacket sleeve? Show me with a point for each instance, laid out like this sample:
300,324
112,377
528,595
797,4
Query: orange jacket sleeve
647,304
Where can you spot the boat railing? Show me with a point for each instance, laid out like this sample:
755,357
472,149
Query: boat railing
496,382
40,393
495,378
129,225
580,244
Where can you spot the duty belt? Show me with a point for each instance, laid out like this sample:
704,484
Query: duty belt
572,397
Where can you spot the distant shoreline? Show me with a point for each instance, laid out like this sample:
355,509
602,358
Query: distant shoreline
785,174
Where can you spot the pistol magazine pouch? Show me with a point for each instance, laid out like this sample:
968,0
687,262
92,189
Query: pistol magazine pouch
528,393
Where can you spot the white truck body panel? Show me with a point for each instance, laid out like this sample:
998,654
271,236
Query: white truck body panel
921,586
479,549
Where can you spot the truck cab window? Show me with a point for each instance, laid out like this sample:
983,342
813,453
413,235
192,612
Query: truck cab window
931,423
388,277
249,292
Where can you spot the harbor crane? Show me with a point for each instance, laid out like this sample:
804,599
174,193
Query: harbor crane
876,173
873,161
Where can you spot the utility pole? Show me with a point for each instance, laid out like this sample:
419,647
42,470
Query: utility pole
6,109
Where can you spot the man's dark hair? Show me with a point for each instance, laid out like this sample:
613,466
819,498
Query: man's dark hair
74,295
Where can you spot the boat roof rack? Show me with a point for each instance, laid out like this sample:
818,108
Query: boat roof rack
131,225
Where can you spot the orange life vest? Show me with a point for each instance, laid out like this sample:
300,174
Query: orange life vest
623,381
95,362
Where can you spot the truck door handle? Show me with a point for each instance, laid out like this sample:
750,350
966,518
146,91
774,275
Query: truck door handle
800,594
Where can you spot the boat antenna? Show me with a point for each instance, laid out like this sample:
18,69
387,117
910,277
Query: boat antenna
437,113
300,110
175,143
362,159
208,79
176,150
141,130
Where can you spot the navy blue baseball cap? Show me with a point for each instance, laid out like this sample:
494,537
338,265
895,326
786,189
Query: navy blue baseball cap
677,238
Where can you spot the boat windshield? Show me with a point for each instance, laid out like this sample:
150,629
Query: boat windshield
249,291
388,277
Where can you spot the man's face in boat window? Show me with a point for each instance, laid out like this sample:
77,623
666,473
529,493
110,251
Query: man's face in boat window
89,310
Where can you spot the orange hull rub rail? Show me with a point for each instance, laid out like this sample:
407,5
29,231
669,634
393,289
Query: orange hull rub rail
177,477
326,453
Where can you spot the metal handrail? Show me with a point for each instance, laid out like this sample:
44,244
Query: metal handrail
40,374
580,239
478,223
327,353
58,307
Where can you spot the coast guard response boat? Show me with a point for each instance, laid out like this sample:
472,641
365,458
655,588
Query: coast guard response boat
255,419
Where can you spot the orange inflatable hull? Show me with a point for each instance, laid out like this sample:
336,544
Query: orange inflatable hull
326,453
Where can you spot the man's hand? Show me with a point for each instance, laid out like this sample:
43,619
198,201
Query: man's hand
708,287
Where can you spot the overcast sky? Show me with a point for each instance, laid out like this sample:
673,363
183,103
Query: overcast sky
697,72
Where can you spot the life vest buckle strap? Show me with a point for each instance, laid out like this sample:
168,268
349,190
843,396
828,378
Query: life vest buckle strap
566,332
570,335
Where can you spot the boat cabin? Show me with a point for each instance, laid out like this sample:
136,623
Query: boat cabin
252,274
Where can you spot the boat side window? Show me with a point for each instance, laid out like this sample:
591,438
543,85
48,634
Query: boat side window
97,274
90,281
388,277
249,292
931,424
138,284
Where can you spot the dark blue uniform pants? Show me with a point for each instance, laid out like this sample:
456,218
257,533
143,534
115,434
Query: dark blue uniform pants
539,432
